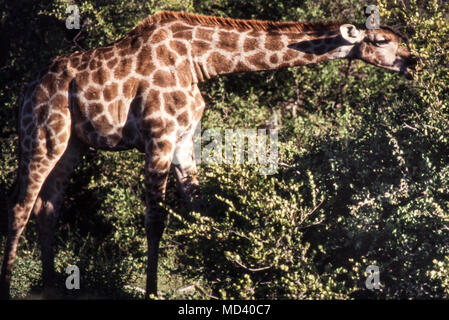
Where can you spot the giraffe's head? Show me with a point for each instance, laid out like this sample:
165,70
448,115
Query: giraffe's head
380,47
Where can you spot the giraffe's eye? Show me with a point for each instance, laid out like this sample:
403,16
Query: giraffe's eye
381,42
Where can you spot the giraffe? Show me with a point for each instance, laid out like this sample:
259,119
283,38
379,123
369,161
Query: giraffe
142,92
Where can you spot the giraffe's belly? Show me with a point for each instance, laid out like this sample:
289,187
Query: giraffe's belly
112,142
113,127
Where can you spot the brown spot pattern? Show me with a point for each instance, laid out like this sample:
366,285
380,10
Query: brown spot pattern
117,111
199,48
164,146
165,56
41,114
183,119
178,27
186,35
102,125
123,68
142,86
56,121
82,79
134,46
85,56
254,33
75,61
228,41
153,103
59,101
110,92
290,55
173,101
112,63
94,109
159,127
250,44
41,96
124,43
130,87
153,124
63,81
101,51
94,64
219,63
108,55
258,60
144,65
185,74
102,75
164,79
49,82
204,34
179,47
274,59
274,43
308,57
241,67
159,36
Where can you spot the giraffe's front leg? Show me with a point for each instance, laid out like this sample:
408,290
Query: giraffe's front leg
184,166
159,156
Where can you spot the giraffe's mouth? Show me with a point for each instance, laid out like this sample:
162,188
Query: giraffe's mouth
409,67
405,66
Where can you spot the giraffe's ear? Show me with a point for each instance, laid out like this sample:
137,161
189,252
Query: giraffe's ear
350,33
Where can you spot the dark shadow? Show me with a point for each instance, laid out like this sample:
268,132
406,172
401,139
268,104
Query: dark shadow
317,46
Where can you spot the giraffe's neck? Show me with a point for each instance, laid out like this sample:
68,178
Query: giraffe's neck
233,51
215,46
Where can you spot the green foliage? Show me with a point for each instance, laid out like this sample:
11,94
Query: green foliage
363,168
252,237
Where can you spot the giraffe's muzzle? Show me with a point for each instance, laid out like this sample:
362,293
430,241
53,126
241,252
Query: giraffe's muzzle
409,67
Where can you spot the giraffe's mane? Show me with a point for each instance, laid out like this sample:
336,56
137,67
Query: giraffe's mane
241,24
